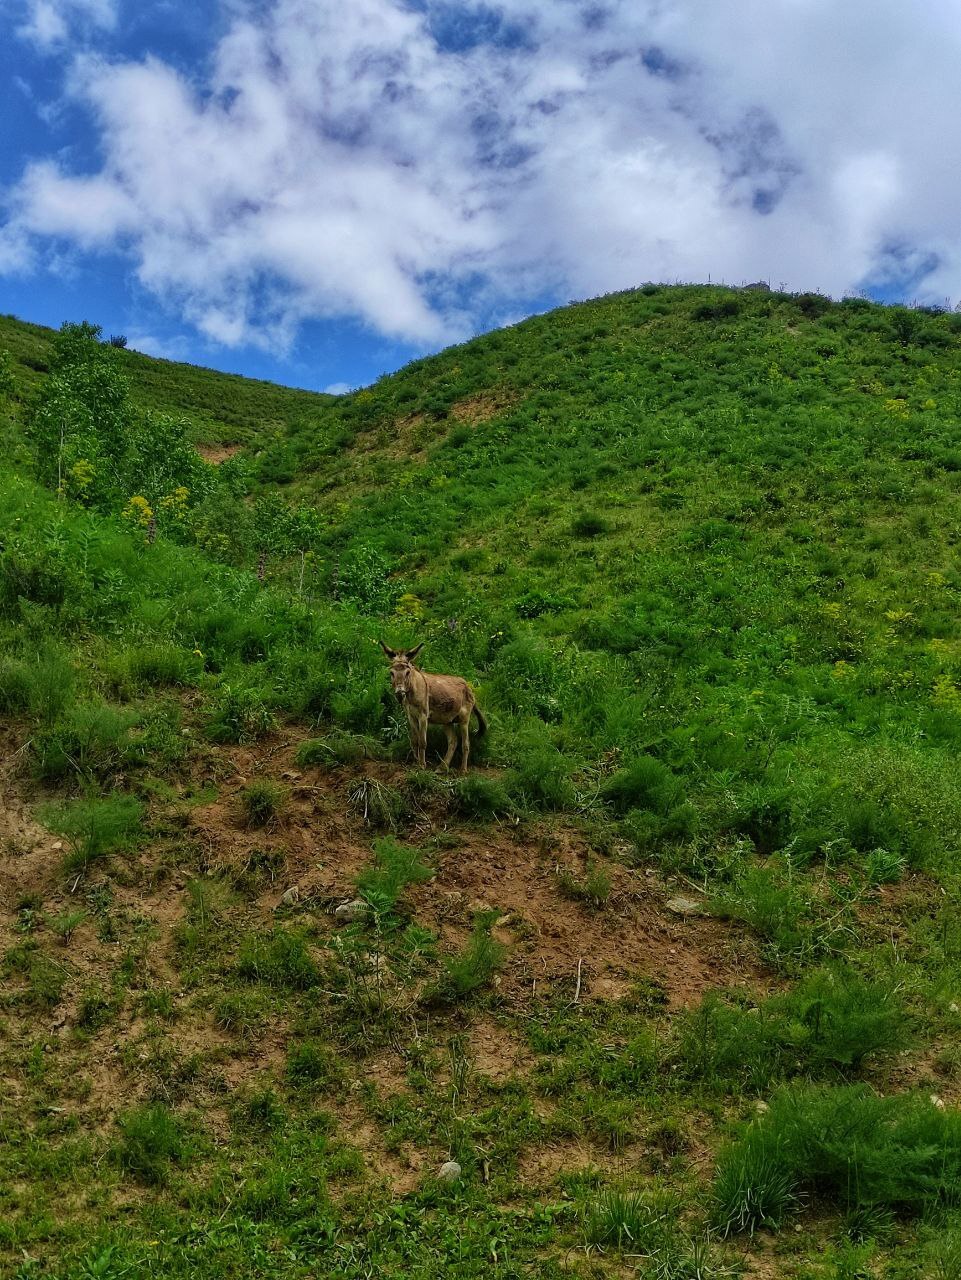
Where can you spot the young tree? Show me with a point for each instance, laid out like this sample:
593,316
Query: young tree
81,425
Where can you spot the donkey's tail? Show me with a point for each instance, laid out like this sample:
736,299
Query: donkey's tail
481,722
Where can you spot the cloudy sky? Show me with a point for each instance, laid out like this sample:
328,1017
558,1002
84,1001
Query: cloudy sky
318,190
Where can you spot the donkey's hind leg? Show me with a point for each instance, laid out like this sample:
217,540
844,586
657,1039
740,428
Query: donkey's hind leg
451,745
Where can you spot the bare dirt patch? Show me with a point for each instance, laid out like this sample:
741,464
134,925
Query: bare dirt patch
552,941
215,454
496,1053
540,1166
318,846
483,406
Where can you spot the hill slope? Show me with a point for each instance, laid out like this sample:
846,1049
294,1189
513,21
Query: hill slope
696,550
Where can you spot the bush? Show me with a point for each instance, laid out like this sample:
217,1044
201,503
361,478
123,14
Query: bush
884,867
477,796
540,778
161,665
594,887
42,686
92,741
845,1145
590,524
314,1065
635,1221
240,714
94,828
771,902
261,802
151,1139
752,1188
475,965
279,959
238,1013
338,748
379,805
395,867
645,783
724,309
827,1025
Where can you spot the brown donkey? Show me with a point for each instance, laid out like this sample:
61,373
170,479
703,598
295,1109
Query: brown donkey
426,699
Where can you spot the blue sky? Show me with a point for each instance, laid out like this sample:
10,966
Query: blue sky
316,192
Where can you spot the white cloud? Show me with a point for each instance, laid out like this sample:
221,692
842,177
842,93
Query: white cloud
48,23
352,160
339,389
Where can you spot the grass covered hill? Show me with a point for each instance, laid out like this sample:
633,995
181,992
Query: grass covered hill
673,974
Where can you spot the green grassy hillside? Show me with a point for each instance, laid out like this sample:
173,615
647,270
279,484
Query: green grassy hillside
673,974
221,407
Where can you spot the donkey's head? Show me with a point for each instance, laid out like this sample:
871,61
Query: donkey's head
401,668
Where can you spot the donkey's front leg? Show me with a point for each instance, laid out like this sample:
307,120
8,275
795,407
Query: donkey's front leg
422,740
413,728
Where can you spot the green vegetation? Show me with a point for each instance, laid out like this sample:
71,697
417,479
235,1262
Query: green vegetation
695,550
844,1145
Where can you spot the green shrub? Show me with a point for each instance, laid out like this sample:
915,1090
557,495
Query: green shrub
94,828
540,778
845,1145
239,714
724,309
481,797
636,1222
239,1013
14,686
827,1025
590,524
644,783
151,1139
594,887
67,923
378,804
338,748
772,902
475,965
752,1188
314,1065
279,959
395,867
45,978
161,665
262,802
92,741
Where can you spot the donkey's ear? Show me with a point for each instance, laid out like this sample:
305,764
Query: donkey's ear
391,653
412,653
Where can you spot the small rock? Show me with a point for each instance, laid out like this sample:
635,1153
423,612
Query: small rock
58,845
682,906
348,912
937,1102
953,1007
761,1106
449,1172
290,897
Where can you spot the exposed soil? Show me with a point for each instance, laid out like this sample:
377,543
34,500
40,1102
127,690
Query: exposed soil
218,453
482,407
558,949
